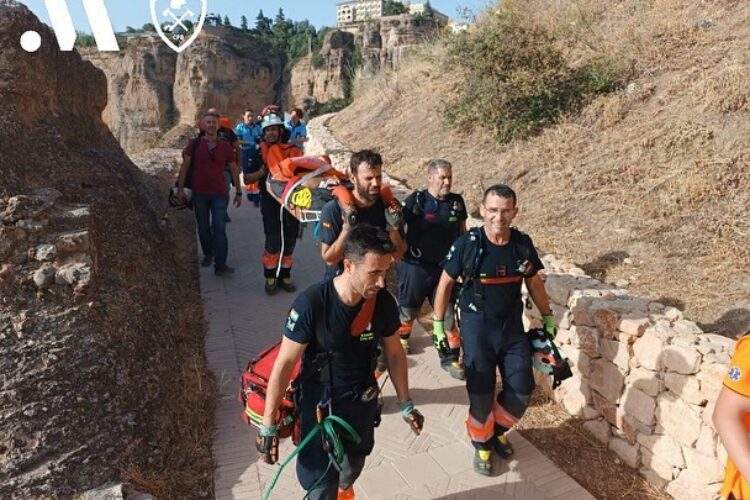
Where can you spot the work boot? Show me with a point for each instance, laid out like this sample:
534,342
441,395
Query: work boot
483,462
347,494
405,344
287,285
455,369
207,261
502,446
223,270
271,286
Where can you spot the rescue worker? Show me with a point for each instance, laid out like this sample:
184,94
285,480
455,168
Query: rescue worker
732,421
296,128
206,162
279,226
249,134
366,174
492,262
435,218
347,315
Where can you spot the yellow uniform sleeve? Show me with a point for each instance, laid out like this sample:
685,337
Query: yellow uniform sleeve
738,374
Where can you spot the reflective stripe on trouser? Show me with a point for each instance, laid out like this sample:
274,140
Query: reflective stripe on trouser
480,432
252,188
404,331
503,417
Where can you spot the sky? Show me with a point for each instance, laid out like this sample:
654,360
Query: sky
136,13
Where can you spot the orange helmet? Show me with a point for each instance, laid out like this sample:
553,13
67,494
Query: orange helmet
226,123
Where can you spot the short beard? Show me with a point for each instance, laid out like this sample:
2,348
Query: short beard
365,195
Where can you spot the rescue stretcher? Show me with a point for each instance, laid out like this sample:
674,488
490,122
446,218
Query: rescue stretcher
304,184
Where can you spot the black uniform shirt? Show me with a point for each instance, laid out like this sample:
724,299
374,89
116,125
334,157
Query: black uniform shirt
432,225
351,364
498,271
331,222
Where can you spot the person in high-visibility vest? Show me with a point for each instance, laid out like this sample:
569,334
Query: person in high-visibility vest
732,421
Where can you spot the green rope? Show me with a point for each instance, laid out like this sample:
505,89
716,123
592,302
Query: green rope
328,427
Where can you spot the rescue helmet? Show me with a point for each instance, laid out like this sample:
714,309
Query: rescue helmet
176,202
271,120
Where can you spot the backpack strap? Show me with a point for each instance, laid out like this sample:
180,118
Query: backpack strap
472,259
523,248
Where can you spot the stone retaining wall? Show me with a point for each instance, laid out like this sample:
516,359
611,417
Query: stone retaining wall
645,378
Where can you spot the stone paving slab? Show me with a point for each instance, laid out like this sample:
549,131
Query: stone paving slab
242,321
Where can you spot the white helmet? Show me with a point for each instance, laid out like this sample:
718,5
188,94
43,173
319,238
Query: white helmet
271,120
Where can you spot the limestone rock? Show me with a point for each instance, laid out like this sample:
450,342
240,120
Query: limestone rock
629,453
666,448
599,429
606,379
686,387
684,360
678,418
639,405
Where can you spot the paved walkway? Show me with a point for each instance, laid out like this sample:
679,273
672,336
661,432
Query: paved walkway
437,464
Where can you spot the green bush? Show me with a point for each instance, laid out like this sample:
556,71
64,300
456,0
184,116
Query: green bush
317,60
515,81
332,106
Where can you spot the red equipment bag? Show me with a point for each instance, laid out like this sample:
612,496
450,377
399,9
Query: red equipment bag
254,384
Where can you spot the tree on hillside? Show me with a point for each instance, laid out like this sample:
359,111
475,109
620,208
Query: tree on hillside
262,23
243,23
393,8
227,22
148,27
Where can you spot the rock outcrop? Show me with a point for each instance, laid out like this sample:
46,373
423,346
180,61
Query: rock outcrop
332,79
152,89
92,333
365,50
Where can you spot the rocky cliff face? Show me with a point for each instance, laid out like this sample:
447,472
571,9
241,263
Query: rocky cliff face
152,89
92,333
332,79
371,47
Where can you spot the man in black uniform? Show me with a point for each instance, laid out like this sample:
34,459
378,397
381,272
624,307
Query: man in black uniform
366,173
492,262
335,326
435,218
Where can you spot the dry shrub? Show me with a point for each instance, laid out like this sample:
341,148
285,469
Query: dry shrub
727,91
517,78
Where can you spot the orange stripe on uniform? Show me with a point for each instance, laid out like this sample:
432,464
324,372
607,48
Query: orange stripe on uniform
480,432
501,281
287,262
503,417
270,260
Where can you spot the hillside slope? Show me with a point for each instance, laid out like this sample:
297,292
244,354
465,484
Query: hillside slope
648,186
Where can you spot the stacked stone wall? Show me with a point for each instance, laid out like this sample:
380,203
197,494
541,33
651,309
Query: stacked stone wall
645,379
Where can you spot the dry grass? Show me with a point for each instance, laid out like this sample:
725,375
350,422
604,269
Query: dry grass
181,464
563,439
658,172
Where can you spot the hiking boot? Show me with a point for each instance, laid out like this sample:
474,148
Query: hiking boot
271,286
405,345
455,369
347,494
207,261
502,446
287,285
483,462
223,270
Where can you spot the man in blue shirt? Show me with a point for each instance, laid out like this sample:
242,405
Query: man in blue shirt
249,134
297,130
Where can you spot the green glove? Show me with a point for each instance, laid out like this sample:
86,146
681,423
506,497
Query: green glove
438,333
549,325
268,430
